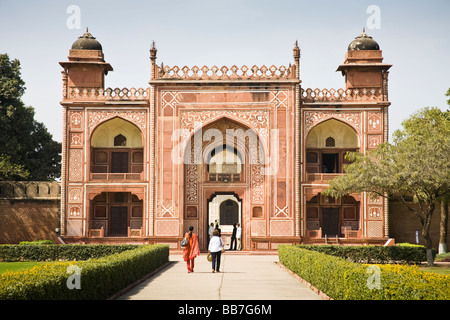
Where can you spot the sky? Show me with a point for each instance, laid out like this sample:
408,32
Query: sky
413,35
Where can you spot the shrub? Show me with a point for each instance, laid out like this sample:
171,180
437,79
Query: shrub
343,279
100,277
52,252
443,257
321,270
26,243
404,253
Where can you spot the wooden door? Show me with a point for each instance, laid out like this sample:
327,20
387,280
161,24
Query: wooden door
330,222
119,221
119,162
229,212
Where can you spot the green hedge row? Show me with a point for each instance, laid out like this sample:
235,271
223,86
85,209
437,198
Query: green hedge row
341,279
403,253
98,278
53,252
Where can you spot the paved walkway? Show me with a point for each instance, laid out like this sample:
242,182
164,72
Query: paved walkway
242,277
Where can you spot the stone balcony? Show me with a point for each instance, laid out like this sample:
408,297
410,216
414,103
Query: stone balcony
322,177
117,176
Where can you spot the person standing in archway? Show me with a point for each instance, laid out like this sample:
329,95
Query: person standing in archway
210,231
191,251
233,238
238,236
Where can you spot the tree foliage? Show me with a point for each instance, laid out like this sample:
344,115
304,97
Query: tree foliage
416,164
26,147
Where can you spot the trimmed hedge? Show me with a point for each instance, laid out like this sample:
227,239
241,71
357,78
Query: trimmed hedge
443,257
403,253
41,242
53,252
100,278
345,280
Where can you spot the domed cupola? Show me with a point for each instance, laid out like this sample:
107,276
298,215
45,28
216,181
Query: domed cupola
86,67
86,42
363,66
363,42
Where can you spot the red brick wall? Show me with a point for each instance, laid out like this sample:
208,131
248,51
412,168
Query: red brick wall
29,211
404,223
28,220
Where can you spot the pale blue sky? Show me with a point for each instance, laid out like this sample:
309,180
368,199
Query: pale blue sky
414,37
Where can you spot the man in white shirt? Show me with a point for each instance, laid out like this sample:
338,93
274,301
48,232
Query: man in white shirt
238,236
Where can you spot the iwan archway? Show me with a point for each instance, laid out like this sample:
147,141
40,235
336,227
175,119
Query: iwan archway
223,168
117,151
326,147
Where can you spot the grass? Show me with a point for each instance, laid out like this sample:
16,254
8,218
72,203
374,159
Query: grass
20,265
437,268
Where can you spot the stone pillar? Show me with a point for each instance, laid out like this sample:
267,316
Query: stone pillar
151,145
297,217
63,173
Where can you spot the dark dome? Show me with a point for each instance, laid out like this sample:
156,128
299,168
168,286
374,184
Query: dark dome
87,42
363,42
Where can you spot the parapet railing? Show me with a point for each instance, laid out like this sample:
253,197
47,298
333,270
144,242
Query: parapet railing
225,73
308,95
109,94
30,190
332,95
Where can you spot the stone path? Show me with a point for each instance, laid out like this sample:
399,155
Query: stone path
242,277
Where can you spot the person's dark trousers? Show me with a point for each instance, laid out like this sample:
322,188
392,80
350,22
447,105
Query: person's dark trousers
233,240
216,260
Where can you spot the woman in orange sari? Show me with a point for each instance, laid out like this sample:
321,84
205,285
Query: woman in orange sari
191,250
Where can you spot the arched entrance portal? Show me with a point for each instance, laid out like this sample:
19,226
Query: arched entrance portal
223,165
225,210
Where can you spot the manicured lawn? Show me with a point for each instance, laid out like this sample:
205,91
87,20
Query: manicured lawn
15,266
441,269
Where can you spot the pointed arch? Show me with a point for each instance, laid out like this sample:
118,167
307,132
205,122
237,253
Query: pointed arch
239,135
327,143
117,150
344,135
104,133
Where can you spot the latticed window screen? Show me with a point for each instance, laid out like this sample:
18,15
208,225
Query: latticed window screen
120,141
329,142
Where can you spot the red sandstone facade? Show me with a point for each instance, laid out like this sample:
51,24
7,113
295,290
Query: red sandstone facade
218,145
